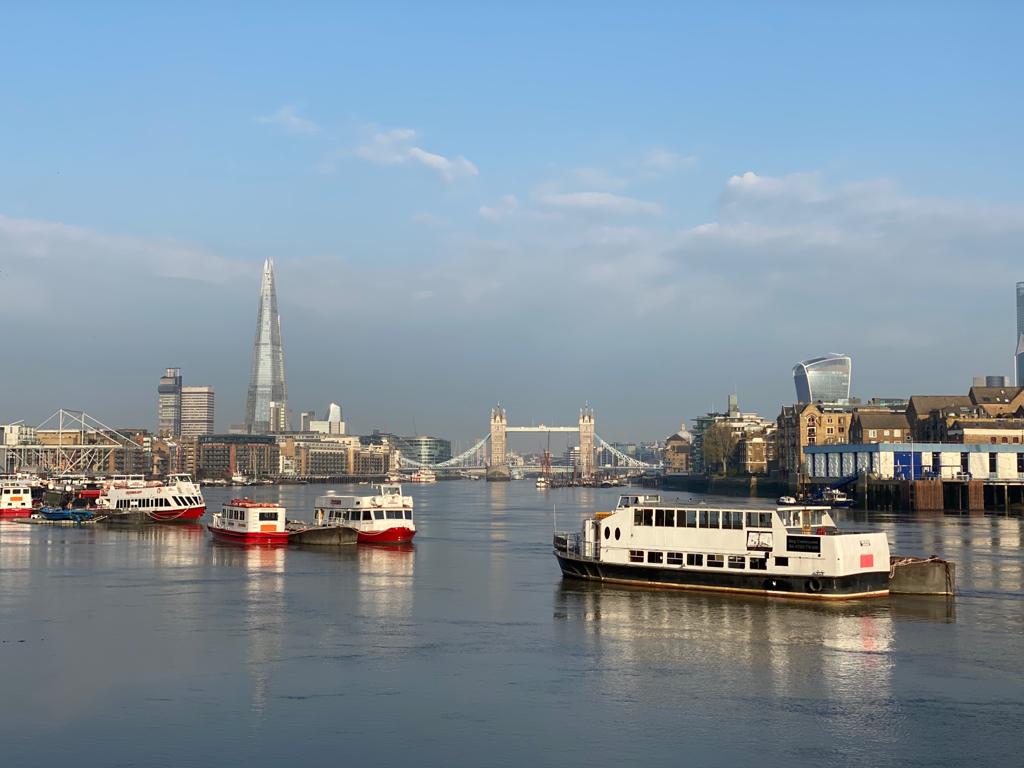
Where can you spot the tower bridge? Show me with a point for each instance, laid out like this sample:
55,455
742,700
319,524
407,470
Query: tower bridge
491,451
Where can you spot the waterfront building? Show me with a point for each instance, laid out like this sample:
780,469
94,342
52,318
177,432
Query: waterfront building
169,403
424,448
823,379
267,380
870,426
991,431
807,424
930,415
223,456
917,461
678,453
197,411
742,425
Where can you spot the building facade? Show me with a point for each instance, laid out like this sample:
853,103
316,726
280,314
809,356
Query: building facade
806,424
169,403
223,456
823,379
424,448
266,409
197,411
917,461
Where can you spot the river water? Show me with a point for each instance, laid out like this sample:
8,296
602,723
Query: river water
156,646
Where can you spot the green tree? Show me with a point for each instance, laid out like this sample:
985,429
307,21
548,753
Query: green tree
719,445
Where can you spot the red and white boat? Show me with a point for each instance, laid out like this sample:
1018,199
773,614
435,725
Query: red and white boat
15,498
250,522
178,500
384,518
423,475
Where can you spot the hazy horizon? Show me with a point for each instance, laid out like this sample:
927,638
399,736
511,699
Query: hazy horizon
542,206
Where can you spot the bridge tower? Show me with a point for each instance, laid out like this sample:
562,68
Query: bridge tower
586,441
499,422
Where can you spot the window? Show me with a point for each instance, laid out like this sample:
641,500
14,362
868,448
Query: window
636,555
782,562
737,562
1020,463
367,514
654,557
937,462
408,516
674,558
607,532
659,518
992,462
670,518
691,519
759,563
716,561
964,462
732,520
618,533
708,519
268,517
638,517
379,514
394,514
692,559
648,517
759,519
829,431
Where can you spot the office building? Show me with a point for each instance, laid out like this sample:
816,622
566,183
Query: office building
267,382
197,404
169,403
332,425
425,449
823,379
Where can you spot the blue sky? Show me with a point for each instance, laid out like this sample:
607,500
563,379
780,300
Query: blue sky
472,202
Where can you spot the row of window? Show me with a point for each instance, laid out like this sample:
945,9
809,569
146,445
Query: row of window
366,515
700,518
15,491
698,560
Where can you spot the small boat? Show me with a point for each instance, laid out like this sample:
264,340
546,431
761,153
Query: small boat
781,552
787,500
250,522
61,514
384,518
423,475
542,483
179,500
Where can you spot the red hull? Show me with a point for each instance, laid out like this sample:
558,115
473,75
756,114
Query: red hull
189,515
10,513
398,535
250,538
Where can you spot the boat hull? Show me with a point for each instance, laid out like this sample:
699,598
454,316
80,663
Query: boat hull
852,587
250,537
189,515
396,535
12,512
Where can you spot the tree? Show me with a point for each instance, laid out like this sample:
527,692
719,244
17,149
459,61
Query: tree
719,445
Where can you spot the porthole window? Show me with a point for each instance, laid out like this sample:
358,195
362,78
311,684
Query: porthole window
617,534
607,531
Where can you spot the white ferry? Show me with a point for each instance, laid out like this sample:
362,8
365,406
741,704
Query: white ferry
15,498
384,518
542,483
177,500
250,522
423,475
784,552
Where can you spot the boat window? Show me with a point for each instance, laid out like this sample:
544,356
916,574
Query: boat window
670,518
692,559
759,519
654,557
737,561
759,563
691,519
379,514
607,532
638,517
782,561
408,514
636,555
268,516
394,514
659,518
732,520
674,558
716,561
708,518
618,533
367,515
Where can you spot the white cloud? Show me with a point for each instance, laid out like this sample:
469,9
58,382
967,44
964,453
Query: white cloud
664,161
598,202
395,147
286,117
508,205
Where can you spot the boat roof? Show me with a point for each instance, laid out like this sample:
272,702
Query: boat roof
251,504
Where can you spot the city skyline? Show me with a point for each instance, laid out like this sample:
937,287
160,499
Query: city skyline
673,206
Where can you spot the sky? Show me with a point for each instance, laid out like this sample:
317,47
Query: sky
640,206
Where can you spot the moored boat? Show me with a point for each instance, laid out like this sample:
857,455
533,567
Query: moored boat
15,498
177,500
782,552
66,514
250,522
383,518
423,475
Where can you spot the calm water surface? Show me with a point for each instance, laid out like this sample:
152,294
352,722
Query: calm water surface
156,646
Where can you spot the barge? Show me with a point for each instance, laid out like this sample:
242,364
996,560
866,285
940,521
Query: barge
793,551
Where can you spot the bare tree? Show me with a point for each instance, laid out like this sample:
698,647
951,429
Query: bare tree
719,445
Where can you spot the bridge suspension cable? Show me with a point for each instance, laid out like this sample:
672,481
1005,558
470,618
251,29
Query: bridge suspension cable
454,461
624,459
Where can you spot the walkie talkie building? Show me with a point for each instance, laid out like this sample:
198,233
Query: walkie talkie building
823,379
266,408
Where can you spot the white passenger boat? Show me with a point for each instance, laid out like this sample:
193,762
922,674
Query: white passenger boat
15,498
250,522
383,518
785,552
177,500
542,483
423,475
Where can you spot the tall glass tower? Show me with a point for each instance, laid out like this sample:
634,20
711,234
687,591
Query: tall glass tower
1019,357
823,379
266,409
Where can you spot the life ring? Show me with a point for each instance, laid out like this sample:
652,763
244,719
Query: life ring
813,585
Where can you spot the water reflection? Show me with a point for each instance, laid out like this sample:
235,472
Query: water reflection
385,580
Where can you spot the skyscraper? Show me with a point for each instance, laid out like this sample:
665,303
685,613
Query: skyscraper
169,403
823,379
197,411
1020,336
267,385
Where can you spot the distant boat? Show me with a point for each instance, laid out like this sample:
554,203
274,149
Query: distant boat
542,483
250,522
423,475
786,500
58,514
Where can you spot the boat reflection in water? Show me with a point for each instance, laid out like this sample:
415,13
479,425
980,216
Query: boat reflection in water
385,578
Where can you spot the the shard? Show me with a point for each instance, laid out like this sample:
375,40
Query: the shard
266,409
